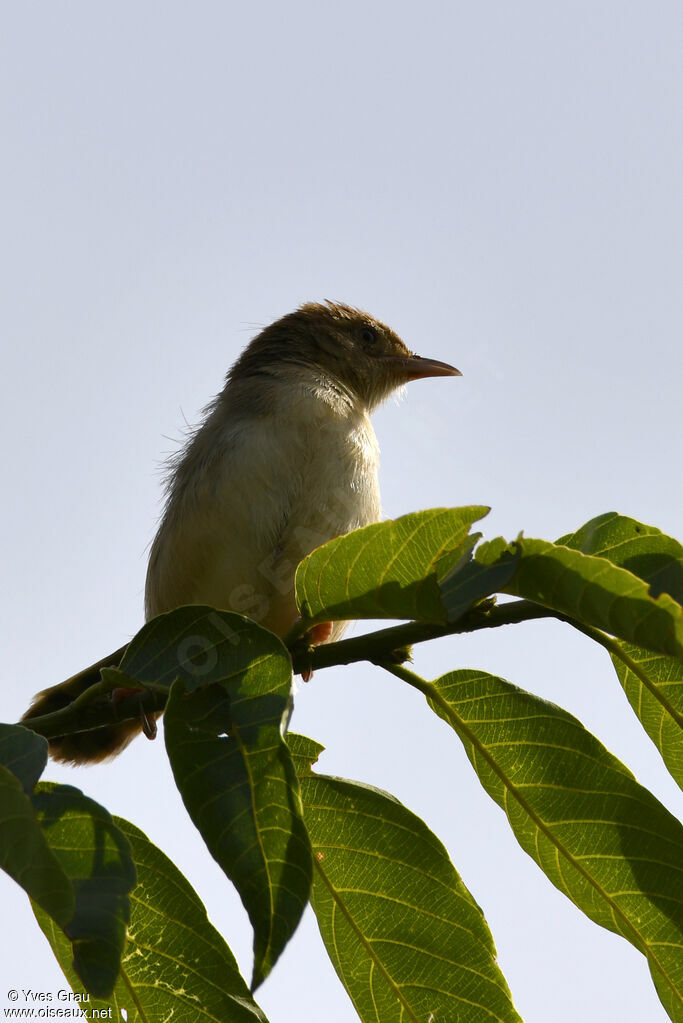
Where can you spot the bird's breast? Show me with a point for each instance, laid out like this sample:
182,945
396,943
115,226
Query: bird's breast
330,480
268,490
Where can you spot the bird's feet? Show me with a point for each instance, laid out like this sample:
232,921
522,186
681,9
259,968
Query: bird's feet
315,636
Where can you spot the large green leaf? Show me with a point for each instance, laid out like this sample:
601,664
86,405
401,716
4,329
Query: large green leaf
231,764
652,682
591,590
405,936
69,857
386,570
192,643
176,965
643,550
601,838
25,853
24,753
96,856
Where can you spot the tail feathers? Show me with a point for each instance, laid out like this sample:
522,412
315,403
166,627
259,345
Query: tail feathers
83,747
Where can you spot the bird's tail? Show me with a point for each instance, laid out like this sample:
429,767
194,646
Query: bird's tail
83,747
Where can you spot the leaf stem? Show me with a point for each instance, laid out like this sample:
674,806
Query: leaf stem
613,647
378,646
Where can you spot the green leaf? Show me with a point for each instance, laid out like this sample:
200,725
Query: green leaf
233,769
386,570
176,965
304,752
187,643
23,753
653,683
25,853
405,936
592,591
114,678
601,838
643,550
469,582
654,687
96,856
63,849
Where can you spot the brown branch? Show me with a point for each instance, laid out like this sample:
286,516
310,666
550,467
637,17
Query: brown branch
95,706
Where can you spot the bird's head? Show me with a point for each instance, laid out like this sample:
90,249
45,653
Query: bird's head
343,344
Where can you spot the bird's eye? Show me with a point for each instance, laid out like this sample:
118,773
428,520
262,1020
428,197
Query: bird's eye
368,336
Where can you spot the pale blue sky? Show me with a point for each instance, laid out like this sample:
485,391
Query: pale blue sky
502,185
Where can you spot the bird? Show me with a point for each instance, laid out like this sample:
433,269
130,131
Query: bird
284,459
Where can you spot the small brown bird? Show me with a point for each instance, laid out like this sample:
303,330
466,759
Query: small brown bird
285,459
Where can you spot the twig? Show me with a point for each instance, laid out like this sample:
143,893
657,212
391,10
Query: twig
94,707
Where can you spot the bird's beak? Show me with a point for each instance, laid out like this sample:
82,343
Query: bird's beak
414,367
